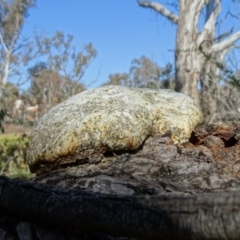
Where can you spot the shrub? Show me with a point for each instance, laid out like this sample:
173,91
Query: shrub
13,156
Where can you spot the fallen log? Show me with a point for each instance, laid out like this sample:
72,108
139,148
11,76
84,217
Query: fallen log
203,216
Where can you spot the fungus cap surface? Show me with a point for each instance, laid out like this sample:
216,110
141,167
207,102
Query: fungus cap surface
109,118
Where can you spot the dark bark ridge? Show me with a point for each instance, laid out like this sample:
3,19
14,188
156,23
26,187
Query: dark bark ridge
160,191
203,216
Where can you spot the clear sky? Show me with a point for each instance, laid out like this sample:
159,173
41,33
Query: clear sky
120,31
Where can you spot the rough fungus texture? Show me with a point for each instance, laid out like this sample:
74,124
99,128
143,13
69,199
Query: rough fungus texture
109,118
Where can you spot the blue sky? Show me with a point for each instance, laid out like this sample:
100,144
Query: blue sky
120,30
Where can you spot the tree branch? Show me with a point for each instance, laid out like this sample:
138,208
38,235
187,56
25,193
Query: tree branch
3,44
160,9
209,26
223,35
218,47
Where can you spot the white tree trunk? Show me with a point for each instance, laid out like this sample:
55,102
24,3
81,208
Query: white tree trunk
210,75
5,66
189,60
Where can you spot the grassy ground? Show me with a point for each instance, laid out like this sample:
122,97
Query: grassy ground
13,145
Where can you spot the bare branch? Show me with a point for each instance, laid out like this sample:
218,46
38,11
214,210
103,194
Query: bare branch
3,44
160,9
231,15
209,26
223,35
218,47
234,16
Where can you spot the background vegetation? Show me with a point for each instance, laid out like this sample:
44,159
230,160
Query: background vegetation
13,156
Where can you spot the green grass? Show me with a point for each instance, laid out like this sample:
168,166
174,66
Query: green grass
13,156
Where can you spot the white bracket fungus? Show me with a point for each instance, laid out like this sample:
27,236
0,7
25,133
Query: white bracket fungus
109,118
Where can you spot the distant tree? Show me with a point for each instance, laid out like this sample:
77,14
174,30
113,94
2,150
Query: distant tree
220,89
11,94
121,79
229,89
144,73
194,45
14,50
49,86
62,57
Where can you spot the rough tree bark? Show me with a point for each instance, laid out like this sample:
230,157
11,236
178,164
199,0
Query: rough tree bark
160,191
83,214
209,76
189,60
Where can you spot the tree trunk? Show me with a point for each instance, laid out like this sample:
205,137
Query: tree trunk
209,76
187,56
187,70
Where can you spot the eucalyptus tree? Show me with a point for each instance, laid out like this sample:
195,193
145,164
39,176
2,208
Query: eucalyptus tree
15,50
61,56
144,73
194,46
